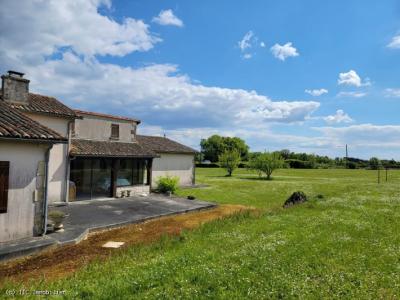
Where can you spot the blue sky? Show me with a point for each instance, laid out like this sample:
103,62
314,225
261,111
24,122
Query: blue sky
310,76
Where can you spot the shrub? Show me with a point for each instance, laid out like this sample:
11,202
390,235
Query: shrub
299,164
167,184
211,165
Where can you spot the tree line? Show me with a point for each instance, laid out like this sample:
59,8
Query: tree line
233,152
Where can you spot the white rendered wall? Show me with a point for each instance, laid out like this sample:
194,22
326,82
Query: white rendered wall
181,165
58,157
25,160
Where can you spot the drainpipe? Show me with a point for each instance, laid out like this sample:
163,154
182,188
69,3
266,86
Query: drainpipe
46,184
67,169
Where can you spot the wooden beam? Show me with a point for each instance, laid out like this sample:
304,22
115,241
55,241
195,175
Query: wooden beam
149,167
114,176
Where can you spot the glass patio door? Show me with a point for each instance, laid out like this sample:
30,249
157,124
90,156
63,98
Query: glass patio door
101,178
91,177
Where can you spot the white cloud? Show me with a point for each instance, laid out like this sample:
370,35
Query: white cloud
167,17
395,43
352,94
285,51
158,94
262,45
392,93
246,41
351,78
364,136
316,92
247,56
339,117
34,29
61,58
364,140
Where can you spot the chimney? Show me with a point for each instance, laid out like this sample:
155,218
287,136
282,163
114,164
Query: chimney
15,88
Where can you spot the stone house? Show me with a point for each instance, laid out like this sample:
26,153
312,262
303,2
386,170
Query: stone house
51,153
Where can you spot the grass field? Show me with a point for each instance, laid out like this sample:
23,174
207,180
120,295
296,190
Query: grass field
345,245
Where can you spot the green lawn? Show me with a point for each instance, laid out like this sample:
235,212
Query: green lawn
346,245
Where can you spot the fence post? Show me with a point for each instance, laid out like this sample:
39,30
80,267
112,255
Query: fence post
379,175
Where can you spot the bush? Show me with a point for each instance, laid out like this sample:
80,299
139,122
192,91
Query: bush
211,165
299,164
167,184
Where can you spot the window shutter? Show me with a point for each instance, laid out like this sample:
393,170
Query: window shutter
4,179
115,131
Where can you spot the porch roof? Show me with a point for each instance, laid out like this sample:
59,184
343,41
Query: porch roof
92,148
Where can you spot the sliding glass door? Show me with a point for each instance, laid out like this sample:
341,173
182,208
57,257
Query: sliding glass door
101,178
81,176
92,177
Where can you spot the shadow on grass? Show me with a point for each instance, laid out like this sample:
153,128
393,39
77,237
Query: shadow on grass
257,178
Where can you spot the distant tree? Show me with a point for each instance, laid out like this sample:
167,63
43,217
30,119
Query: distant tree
374,163
229,160
266,163
199,157
285,153
215,145
212,147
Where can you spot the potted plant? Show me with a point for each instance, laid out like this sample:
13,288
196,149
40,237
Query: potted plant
56,217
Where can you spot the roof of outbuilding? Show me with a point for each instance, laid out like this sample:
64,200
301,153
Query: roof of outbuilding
44,105
81,147
15,125
164,145
96,114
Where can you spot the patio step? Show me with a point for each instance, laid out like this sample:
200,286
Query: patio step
23,247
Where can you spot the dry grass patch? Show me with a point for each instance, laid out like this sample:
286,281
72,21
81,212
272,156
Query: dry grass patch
60,262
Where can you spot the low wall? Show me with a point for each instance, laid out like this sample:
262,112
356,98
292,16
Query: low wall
133,190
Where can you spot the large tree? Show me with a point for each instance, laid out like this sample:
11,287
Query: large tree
215,145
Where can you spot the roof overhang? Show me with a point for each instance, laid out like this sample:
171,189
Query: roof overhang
41,141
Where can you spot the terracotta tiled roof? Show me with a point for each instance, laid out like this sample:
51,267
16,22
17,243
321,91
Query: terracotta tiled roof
163,145
15,125
45,105
90,113
109,149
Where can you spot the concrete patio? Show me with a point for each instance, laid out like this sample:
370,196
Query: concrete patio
83,217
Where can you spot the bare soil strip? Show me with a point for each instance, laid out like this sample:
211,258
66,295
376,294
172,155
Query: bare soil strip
63,261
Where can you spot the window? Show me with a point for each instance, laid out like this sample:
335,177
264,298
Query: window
125,173
114,131
4,172
131,172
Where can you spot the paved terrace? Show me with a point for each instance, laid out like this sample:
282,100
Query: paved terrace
89,215
83,217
